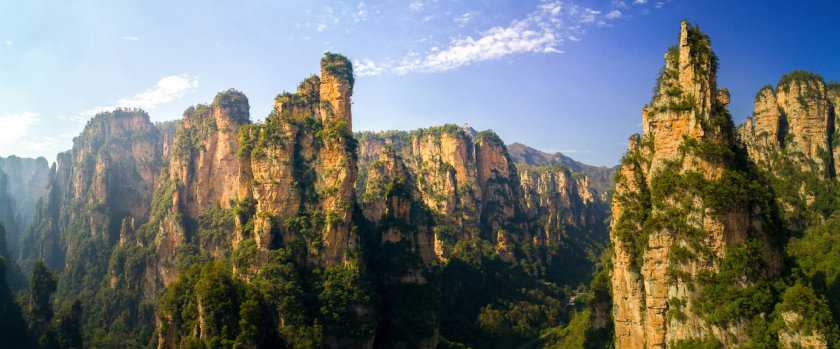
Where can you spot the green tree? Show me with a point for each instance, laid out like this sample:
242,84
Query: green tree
69,327
42,287
13,331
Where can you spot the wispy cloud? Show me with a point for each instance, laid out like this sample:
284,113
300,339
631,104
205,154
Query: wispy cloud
613,14
166,90
131,38
544,30
638,2
465,18
9,43
361,14
16,127
416,6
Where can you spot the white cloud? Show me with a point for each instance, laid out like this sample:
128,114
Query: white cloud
614,14
367,67
166,90
542,31
465,18
416,6
9,43
588,15
16,127
362,13
321,27
131,38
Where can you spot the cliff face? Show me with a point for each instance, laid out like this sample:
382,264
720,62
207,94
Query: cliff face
792,136
202,174
27,180
109,174
678,219
310,173
796,118
403,251
133,205
7,215
473,187
563,211
445,206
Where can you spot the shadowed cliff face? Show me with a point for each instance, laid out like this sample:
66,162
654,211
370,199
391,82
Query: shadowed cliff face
473,188
109,174
27,179
7,215
792,135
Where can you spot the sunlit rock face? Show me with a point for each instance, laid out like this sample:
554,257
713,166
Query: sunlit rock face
665,230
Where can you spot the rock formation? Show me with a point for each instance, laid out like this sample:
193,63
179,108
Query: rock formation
473,188
796,118
401,225
110,173
686,207
302,164
563,209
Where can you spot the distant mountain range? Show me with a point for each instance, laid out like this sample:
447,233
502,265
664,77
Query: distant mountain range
601,177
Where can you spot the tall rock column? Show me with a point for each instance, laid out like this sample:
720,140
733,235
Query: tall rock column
804,104
203,172
684,200
300,168
336,89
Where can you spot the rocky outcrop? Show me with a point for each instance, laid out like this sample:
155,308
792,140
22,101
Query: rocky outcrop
302,164
401,226
212,168
501,194
794,336
796,118
671,230
804,105
392,204
471,186
474,188
110,173
561,205
203,173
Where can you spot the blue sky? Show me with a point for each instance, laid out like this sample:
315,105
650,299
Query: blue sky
568,76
